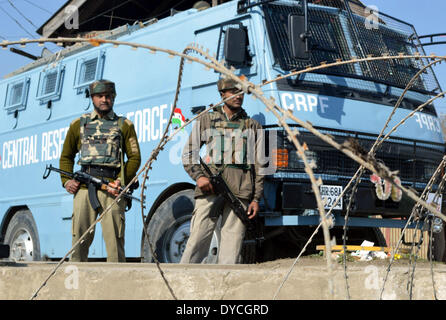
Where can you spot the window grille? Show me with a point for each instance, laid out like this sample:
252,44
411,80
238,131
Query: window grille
338,33
50,84
16,95
89,69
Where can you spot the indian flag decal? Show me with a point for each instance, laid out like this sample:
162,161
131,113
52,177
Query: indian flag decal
178,117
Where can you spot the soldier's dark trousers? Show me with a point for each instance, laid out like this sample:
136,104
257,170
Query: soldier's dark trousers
113,226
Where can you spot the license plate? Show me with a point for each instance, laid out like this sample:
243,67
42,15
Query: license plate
331,193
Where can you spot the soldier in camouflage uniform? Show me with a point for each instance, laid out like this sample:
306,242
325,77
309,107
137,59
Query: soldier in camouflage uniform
242,176
102,138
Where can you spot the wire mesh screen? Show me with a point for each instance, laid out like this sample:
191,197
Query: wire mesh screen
50,83
339,32
415,162
89,70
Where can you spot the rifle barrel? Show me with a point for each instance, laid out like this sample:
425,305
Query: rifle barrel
69,174
100,183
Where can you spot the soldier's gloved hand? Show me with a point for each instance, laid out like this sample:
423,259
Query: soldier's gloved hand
253,209
113,187
205,185
72,186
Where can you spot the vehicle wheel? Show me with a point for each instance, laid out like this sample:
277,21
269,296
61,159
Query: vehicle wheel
250,251
248,254
377,237
169,230
438,246
22,237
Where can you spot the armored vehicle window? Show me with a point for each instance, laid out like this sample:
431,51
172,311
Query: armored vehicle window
337,34
50,84
89,69
16,95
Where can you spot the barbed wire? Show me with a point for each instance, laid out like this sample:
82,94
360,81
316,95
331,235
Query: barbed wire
431,235
365,160
376,145
425,218
424,195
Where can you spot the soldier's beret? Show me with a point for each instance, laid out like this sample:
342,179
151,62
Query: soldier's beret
228,83
102,86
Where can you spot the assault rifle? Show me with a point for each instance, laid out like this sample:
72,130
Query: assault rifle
221,188
93,184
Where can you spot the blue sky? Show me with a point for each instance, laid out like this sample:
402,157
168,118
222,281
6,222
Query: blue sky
15,26
21,19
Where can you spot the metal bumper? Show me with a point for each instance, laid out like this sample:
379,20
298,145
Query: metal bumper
294,203
289,220
300,196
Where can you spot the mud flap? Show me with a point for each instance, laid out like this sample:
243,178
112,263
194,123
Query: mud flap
4,251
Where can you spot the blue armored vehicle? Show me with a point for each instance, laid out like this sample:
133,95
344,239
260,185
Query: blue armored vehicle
260,40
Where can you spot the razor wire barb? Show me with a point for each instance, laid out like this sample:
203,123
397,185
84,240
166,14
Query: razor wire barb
431,235
413,256
425,217
416,207
347,148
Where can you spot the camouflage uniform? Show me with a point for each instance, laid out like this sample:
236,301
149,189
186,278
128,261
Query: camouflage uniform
102,143
242,176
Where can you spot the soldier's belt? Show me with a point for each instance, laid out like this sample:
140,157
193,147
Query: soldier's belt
233,165
101,171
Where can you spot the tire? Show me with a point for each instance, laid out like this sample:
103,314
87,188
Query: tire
22,237
377,237
438,247
248,254
357,235
169,230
